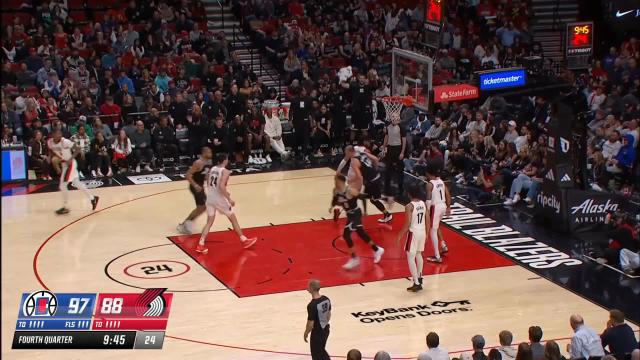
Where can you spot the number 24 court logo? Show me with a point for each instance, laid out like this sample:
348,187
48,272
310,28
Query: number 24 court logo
436,308
41,303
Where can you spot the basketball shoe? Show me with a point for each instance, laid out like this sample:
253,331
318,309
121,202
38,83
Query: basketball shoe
202,249
352,263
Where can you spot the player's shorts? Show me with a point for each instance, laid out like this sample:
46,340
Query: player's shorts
354,220
415,242
69,171
199,196
373,190
437,213
216,204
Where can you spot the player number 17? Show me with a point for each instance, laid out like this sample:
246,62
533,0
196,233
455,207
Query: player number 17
77,305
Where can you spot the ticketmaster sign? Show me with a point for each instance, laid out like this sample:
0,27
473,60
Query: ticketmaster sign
501,79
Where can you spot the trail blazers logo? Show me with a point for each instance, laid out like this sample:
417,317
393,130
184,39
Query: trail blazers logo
151,303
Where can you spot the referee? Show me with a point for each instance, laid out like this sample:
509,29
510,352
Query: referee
318,316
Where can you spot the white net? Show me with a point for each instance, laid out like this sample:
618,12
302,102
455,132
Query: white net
393,106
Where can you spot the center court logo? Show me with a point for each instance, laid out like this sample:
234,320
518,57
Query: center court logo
436,308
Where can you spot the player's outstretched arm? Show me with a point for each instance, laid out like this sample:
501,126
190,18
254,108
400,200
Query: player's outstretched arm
196,167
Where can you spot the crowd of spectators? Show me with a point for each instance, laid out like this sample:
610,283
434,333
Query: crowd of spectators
136,87
617,342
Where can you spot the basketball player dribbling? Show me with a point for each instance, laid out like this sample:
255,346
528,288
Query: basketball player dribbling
196,176
363,171
415,229
67,151
439,200
219,199
346,197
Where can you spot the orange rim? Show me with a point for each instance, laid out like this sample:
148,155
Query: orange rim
405,100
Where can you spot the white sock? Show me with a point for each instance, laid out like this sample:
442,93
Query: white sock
243,238
434,240
419,264
411,257
80,185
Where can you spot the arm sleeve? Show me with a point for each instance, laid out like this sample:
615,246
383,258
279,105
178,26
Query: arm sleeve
311,312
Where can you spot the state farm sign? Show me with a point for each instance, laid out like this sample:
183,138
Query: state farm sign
455,92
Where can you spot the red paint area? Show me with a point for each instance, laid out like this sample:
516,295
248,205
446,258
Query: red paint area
287,256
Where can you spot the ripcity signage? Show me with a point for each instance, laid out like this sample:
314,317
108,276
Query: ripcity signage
501,79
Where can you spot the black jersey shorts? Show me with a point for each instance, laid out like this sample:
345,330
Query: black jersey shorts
199,196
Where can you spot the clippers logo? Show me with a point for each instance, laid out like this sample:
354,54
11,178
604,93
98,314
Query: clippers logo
564,145
41,303
151,303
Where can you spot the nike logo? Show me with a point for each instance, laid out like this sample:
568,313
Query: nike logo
621,14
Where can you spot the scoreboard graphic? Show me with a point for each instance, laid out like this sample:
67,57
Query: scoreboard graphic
49,320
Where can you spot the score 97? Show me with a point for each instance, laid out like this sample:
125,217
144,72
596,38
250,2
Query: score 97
584,29
111,305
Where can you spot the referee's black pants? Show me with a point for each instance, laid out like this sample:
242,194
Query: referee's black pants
318,342
394,167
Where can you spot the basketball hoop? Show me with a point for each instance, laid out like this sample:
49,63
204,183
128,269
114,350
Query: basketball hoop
393,105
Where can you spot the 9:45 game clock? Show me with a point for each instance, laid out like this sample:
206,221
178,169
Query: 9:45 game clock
579,44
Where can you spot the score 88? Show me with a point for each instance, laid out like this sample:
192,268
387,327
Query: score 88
111,306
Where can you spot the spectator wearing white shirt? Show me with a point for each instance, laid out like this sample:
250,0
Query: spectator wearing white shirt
596,98
512,134
632,129
273,129
585,343
507,351
435,352
611,147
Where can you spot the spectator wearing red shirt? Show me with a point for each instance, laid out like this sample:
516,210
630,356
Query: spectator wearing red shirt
296,9
110,112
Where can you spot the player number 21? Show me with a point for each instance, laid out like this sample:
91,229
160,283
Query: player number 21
111,306
77,305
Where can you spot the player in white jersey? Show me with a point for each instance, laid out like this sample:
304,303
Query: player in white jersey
440,203
219,199
415,229
66,151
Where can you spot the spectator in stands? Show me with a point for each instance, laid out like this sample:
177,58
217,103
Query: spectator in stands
98,126
162,80
110,112
354,354
273,130
122,151
478,343
179,110
83,144
164,137
382,355
435,351
101,161
507,351
585,343
239,138
625,159
552,351
535,336
141,144
39,156
321,131
524,352
480,192
611,147
618,335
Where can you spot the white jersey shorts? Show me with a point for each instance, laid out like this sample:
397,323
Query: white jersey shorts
415,242
437,213
69,171
218,203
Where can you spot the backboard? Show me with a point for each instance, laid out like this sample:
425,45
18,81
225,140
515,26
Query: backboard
412,75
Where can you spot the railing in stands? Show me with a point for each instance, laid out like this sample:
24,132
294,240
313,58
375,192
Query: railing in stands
221,13
256,58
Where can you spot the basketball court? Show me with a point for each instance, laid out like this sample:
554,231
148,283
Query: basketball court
251,304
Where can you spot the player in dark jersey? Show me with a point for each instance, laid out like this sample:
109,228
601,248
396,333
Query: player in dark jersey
196,176
348,199
367,164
